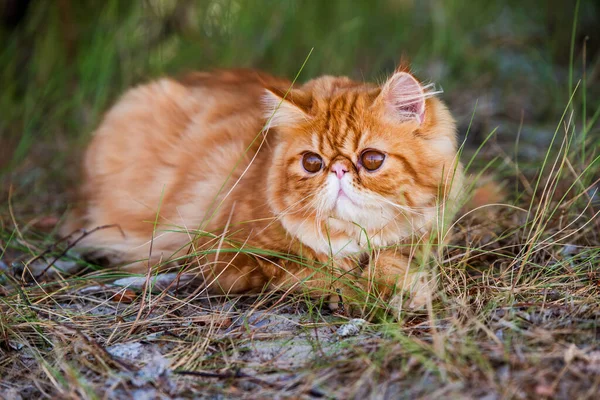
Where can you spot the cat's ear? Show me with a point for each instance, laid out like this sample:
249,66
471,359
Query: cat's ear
285,109
403,98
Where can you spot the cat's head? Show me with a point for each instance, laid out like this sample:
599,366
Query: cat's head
352,156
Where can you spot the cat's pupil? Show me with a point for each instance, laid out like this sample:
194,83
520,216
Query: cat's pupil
372,159
312,162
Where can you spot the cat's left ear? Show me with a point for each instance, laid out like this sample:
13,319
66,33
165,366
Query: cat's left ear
285,109
403,98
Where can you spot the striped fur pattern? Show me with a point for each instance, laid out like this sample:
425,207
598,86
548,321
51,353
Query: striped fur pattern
215,161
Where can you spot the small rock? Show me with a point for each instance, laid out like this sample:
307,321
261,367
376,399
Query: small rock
500,334
158,283
352,328
15,345
128,351
569,250
154,365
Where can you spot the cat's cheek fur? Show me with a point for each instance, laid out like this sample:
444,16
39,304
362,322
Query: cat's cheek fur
274,180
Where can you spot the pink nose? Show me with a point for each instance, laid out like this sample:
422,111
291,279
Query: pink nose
339,169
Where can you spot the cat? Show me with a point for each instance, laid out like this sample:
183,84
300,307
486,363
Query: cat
335,187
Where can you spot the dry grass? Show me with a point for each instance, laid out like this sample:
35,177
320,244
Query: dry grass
516,314
516,317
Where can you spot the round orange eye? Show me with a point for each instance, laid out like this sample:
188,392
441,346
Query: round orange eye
312,162
372,159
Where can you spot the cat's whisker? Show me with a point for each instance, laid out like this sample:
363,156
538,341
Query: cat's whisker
304,207
286,212
411,210
379,199
404,209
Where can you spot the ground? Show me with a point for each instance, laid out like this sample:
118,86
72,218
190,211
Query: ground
516,313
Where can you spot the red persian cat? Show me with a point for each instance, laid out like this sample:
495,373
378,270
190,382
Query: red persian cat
335,187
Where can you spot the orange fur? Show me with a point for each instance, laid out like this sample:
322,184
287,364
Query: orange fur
192,155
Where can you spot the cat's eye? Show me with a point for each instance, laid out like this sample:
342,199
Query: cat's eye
372,159
312,162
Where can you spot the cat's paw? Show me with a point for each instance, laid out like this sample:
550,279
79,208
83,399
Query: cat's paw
335,303
345,305
355,303
415,297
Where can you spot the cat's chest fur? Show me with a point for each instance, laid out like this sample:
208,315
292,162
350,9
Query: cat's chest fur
338,238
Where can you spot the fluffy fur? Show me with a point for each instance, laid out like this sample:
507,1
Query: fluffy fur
214,161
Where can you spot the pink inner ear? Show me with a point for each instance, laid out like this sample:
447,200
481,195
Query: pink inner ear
406,97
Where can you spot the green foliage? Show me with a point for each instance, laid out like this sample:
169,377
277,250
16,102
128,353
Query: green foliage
65,62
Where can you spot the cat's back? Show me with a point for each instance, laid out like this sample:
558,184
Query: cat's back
159,123
169,140
167,106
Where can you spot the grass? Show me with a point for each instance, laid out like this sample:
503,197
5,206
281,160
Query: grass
517,310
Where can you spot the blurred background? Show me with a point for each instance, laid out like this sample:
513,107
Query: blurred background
518,315
507,67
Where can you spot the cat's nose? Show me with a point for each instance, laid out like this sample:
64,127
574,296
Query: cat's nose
339,169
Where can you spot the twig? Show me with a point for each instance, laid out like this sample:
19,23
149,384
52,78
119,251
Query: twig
241,375
84,234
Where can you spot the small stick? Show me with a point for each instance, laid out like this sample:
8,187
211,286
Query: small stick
84,234
240,375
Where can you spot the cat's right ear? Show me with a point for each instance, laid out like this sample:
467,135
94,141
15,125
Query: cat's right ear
285,109
404,97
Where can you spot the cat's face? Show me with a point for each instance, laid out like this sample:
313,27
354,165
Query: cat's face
351,154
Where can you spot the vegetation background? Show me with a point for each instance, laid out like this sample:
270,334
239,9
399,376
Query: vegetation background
521,77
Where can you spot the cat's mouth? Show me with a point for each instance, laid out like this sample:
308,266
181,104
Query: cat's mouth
342,195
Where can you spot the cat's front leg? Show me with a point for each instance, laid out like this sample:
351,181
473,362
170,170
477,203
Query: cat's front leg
391,280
